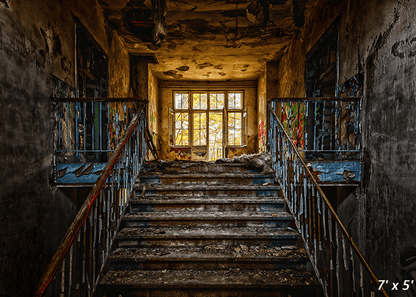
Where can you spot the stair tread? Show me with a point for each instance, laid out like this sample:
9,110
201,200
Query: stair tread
257,278
219,186
205,232
204,175
204,215
211,252
202,200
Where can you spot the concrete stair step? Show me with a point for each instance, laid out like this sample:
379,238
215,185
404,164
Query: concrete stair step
233,282
185,203
183,167
208,179
209,257
195,218
208,190
201,236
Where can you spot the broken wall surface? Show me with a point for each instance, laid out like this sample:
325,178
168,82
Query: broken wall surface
262,109
153,106
166,89
37,40
267,89
376,38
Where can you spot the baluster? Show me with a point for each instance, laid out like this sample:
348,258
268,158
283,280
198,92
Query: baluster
70,277
62,287
68,110
323,125
85,127
337,260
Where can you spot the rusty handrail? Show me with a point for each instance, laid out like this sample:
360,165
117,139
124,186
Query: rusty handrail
83,213
325,199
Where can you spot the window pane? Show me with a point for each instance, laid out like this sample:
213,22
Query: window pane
199,100
216,100
181,128
234,128
235,101
215,135
181,101
200,128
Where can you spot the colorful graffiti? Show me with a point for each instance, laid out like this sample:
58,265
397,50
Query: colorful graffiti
293,119
262,133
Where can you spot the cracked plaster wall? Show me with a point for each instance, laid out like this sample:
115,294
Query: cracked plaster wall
37,42
376,38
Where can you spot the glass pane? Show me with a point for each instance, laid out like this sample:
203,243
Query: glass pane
181,128
215,135
181,101
234,128
200,129
216,101
235,101
200,100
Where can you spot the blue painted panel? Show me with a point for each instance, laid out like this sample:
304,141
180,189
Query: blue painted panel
70,177
334,171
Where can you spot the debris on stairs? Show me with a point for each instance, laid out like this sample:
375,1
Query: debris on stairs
208,229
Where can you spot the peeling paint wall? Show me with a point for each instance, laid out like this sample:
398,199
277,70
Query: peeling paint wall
37,41
262,110
153,107
376,38
166,89
267,89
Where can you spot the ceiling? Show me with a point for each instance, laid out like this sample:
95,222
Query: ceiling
214,40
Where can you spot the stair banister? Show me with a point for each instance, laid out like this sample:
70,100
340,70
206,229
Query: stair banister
103,208
313,215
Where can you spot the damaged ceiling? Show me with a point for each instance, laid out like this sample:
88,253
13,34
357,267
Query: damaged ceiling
209,40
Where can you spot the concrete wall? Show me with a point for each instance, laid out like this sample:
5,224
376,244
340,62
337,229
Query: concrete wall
37,41
262,109
267,89
378,39
153,106
166,89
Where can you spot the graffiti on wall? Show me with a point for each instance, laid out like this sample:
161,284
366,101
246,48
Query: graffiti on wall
293,119
262,136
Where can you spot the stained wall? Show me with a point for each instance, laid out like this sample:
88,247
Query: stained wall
37,40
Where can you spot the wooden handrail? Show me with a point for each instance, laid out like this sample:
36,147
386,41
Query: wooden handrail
85,209
328,204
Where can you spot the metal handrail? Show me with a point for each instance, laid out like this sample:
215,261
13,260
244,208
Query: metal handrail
290,191
115,181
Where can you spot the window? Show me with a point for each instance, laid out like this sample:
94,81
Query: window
208,119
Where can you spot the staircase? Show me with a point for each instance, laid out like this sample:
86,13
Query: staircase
207,229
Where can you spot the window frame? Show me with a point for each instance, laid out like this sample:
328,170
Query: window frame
225,113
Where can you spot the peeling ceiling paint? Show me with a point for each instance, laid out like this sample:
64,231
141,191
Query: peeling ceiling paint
215,40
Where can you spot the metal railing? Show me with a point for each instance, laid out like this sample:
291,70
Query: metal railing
78,263
339,265
323,128
90,128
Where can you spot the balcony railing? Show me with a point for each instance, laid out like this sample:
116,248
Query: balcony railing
322,128
339,265
88,129
78,263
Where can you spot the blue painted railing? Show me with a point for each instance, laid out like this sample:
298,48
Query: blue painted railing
78,263
339,265
322,128
89,129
